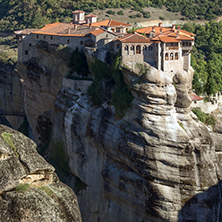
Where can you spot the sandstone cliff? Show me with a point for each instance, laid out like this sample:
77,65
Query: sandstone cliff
30,191
42,78
157,163
151,165
11,94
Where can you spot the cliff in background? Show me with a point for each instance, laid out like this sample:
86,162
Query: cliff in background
157,163
30,191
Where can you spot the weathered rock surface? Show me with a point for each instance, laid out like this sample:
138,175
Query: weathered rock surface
42,76
11,94
155,164
29,188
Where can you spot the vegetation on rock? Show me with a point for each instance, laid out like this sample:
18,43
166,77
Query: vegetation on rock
20,14
204,117
207,56
21,188
121,96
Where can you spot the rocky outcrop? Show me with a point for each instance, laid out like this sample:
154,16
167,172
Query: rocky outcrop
146,166
29,189
11,94
42,76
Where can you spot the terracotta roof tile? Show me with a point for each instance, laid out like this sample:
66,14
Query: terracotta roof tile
90,16
64,29
97,32
78,11
134,38
110,23
195,97
167,34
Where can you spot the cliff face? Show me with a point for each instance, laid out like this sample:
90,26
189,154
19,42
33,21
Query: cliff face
42,77
29,189
11,94
147,165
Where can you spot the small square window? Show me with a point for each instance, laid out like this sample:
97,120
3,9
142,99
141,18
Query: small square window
26,52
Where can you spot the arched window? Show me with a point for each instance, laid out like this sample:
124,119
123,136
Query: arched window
68,41
166,56
150,48
176,56
118,46
51,37
37,36
132,48
171,56
126,48
138,49
144,48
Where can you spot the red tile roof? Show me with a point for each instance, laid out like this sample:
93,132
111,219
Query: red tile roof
65,29
134,38
97,32
195,97
78,11
167,34
110,23
90,16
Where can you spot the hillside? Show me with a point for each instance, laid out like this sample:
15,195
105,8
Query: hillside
16,14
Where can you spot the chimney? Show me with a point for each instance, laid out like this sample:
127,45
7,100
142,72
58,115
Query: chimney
173,27
178,34
161,30
178,27
153,29
160,24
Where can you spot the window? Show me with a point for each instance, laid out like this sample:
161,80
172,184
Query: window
118,46
176,56
81,43
26,52
44,37
37,36
144,48
126,48
166,56
68,41
51,37
150,48
107,35
138,49
30,44
132,48
189,43
171,56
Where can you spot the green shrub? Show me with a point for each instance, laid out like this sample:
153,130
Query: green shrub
110,12
161,18
132,16
146,15
78,62
204,117
120,12
121,96
8,140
